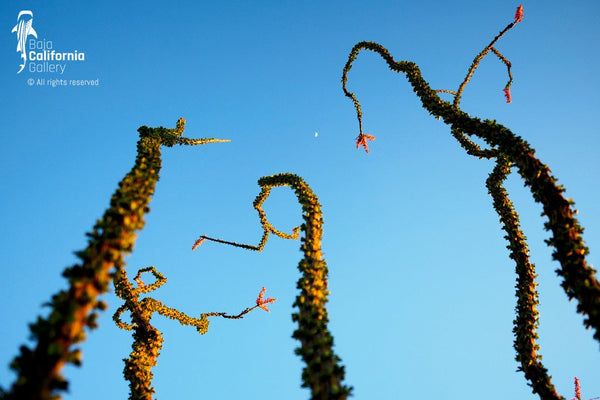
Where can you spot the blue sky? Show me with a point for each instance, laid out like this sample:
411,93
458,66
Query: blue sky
422,297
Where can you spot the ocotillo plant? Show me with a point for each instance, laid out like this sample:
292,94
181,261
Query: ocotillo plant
322,374
147,339
39,369
509,150
112,237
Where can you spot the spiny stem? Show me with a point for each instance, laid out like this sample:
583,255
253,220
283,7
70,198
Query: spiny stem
74,309
527,318
323,373
478,59
147,339
579,279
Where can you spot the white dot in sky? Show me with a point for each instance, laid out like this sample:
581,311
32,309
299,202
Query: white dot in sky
316,134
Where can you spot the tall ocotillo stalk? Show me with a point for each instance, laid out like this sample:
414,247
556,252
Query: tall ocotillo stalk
113,236
527,320
579,280
323,373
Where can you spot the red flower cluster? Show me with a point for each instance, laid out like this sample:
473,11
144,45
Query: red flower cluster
507,94
198,242
577,390
361,140
262,303
519,14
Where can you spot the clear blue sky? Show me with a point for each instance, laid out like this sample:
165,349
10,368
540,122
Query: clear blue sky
422,290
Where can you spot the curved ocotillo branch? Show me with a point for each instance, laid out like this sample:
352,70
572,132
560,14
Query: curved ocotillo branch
113,236
147,339
323,373
578,277
465,142
264,222
527,320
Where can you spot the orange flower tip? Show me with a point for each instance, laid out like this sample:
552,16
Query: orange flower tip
519,14
507,94
198,242
262,303
577,390
361,140
259,299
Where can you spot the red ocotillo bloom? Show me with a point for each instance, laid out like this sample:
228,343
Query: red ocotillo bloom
198,242
361,140
519,14
262,303
577,390
507,94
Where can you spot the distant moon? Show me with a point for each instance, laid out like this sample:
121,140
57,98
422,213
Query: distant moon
316,134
